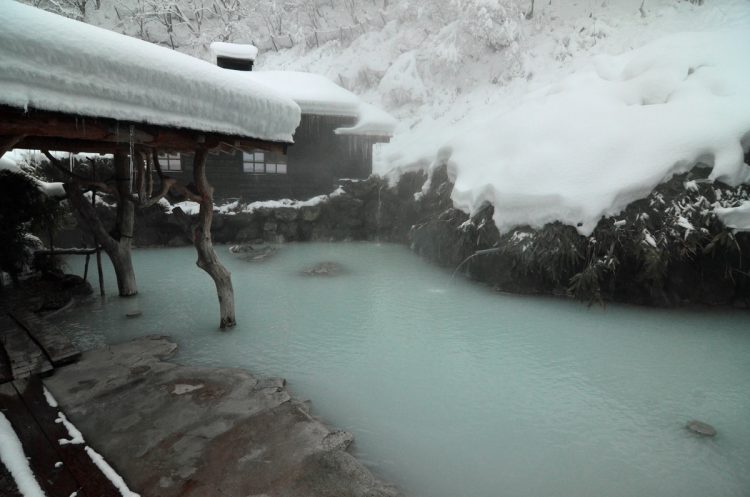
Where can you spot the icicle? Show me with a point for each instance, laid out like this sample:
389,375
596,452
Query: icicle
71,161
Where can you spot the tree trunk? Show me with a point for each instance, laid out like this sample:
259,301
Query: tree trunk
123,233
207,259
123,264
117,244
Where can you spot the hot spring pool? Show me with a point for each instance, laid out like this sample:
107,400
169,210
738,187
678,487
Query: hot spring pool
453,390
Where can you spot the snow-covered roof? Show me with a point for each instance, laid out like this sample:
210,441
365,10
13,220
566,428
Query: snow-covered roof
373,121
53,63
234,50
318,95
315,94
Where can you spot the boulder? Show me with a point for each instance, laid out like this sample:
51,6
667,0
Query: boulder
324,269
253,252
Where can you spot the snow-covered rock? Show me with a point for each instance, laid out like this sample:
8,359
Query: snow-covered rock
737,218
588,146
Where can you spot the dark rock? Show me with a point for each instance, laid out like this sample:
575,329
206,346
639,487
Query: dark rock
177,241
324,269
310,213
701,428
253,252
286,214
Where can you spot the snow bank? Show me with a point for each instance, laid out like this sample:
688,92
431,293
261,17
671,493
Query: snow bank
588,146
57,64
285,202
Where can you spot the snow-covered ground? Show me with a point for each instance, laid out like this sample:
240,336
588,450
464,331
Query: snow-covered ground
589,106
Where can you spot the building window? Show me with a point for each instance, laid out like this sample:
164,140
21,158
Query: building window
260,162
170,162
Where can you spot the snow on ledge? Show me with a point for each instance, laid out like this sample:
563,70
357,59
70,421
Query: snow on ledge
736,218
372,121
53,63
234,50
596,141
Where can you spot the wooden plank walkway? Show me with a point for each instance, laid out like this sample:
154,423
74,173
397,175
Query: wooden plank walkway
60,468
43,456
5,372
26,358
29,348
50,339
90,479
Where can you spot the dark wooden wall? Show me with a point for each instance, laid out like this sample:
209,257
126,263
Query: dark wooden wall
317,158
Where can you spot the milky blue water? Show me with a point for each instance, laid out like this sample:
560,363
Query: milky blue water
452,389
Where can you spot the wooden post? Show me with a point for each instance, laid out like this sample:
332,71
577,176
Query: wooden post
86,267
99,268
96,243
207,258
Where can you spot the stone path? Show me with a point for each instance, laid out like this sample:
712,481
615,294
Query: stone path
173,430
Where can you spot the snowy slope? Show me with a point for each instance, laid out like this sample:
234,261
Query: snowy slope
53,63
575,118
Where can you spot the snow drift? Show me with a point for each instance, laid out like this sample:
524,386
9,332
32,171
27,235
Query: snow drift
606,136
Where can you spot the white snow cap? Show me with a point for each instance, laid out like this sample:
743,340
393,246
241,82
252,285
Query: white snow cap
318,95
373,121
736,218
605,136
53,63
234,50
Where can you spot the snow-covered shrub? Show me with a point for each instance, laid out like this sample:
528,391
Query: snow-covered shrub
402,84
23,206
493,22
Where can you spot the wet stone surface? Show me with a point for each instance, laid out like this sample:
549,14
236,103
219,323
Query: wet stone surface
173,430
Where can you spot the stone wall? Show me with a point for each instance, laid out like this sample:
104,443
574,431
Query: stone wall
644,255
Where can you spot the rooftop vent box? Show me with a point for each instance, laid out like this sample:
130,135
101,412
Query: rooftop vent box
235,56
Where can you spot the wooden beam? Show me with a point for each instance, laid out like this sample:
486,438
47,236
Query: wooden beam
73,133
8,143
58,347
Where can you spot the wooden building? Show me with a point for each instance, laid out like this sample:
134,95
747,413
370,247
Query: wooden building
334,140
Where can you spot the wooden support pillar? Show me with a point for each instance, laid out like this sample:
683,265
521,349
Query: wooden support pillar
207,258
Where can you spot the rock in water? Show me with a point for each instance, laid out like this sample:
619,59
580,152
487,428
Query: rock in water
324,269
253,252
133,314
701,428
